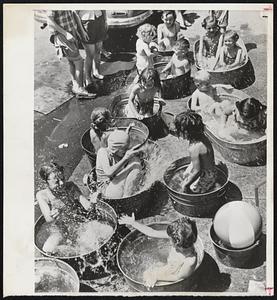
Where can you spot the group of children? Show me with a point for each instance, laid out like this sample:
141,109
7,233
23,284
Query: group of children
118,168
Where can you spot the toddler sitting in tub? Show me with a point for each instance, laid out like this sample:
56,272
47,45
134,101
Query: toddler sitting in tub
248,115
201,174
179,64
118,169
182,259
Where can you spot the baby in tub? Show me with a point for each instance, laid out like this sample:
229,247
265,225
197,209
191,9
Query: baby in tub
182,259
179,63
201,174
118,169
248,115
141,99
205,95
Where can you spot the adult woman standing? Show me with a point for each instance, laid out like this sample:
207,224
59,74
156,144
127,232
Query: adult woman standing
95,25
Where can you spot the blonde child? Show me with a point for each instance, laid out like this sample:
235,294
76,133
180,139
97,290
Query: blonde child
182,259
117,168
230,54
145,33
141,99
205,95
201,174
169,31
100,122
179,64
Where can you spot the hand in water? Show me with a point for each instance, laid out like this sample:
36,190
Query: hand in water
127,220
69,37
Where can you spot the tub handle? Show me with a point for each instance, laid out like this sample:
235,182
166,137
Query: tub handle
221,193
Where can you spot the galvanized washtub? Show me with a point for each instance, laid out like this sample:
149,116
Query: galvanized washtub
196,205
156,126
92,264
138,203
138,136
249,153
237,258
67,282
239,77
175,87
132,262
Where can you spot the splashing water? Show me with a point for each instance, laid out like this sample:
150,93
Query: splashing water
53,279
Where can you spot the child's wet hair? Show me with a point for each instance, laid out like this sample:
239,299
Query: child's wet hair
183,232
249,107
99,116
52,167
202,76
231,34
169,12
150,74
181,44
191,123
146,30
210,20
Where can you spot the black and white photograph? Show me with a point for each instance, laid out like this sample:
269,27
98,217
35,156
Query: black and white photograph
142,147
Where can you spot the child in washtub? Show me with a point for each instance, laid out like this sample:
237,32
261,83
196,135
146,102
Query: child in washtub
169,31
230,54
118,169
182,259
141,99
248,115
59,202
100,122
179,63
201,174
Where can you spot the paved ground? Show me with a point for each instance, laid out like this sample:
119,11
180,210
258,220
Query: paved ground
70,119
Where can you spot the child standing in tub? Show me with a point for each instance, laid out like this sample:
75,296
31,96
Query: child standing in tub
230,54
210,42
145,33
201,174
182,259
169,31
118,169
100,122
141,99
59,202
179,63
205,95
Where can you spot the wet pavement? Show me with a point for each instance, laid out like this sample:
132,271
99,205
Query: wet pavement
67,123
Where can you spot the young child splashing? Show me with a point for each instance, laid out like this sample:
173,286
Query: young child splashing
182,259
201,174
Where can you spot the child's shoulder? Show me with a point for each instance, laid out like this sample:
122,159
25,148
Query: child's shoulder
41,195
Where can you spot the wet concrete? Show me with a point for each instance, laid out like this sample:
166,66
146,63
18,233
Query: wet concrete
67,123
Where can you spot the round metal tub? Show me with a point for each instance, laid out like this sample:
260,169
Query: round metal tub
175,87
136,252
249,153
239,77
155,124
138,203
196,205
60,277
237,258
92,264
139,134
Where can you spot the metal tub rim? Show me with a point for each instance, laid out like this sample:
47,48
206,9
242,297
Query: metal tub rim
163,283
80,255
